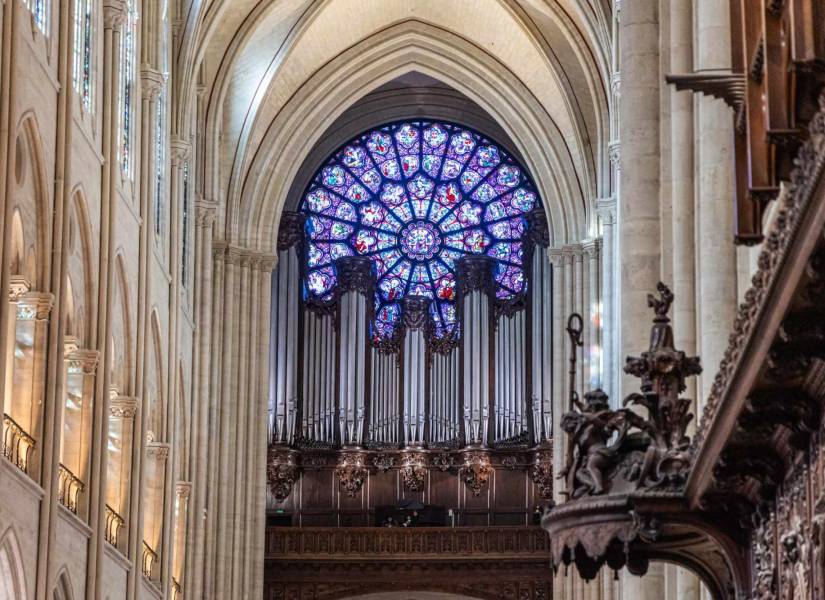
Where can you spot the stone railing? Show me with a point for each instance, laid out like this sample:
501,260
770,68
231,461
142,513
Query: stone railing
409,543
114,523
69,488
177,590
150,559
17,444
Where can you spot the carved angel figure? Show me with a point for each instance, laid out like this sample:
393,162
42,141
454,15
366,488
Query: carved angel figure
589,456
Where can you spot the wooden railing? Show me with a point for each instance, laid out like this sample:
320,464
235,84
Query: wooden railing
17,444
150,558
69,488
388,542
114,523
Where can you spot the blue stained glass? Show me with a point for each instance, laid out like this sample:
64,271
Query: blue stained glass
416,197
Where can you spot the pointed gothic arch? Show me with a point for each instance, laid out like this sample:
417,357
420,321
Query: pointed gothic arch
12,575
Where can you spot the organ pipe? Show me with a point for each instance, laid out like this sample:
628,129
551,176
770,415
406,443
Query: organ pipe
415,312
284,339
541,345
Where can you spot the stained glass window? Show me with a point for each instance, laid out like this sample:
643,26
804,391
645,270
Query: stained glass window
127,83
40,13
82,71
184,268
160,133
416,197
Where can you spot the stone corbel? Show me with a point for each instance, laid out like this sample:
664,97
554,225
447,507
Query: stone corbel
18,286
606,210
78,359
183,489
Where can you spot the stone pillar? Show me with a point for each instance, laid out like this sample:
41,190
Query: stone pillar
356,288
559,396
639,247
714,219
606,209
475,279
202,265
593,308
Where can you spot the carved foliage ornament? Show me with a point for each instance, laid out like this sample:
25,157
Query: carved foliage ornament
542,474
281,472
476,471
352,472
413,470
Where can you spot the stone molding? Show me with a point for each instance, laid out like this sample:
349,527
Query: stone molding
183,489
151,82
34,306
158,451
114,14
606,210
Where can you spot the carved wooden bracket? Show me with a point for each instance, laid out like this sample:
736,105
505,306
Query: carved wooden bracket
282,471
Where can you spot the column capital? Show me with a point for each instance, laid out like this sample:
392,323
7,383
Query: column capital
80,360
34,306
157,451
591,248
554,255
183,489
616,83
606,210
123,407
267,262
219,249
614,148
18,286
114,14
415,310
204,214
151,82
180,150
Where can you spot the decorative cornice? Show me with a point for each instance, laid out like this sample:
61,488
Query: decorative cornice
123,407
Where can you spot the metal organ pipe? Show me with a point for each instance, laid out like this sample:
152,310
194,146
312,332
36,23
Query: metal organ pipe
284,345
540,344
415,311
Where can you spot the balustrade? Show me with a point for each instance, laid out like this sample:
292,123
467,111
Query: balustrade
17,444
69,488
150,559
114,523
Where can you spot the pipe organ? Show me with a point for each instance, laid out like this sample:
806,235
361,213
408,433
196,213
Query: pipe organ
336,383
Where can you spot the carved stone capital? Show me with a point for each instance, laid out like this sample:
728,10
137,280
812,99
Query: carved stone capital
267,262
183,489
180,151
158,451
234,255
34,306
475,273
204,214
592,248
18,285
123,407
79,360
290,230
541,473
219,250
554,255
614,152
114,14
354,274
606,210
151,82
352,472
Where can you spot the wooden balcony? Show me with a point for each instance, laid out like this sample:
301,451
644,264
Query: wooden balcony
494,562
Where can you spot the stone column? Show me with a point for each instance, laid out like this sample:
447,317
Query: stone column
593,302
606,209
559,395
714,219
202,264
639,247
